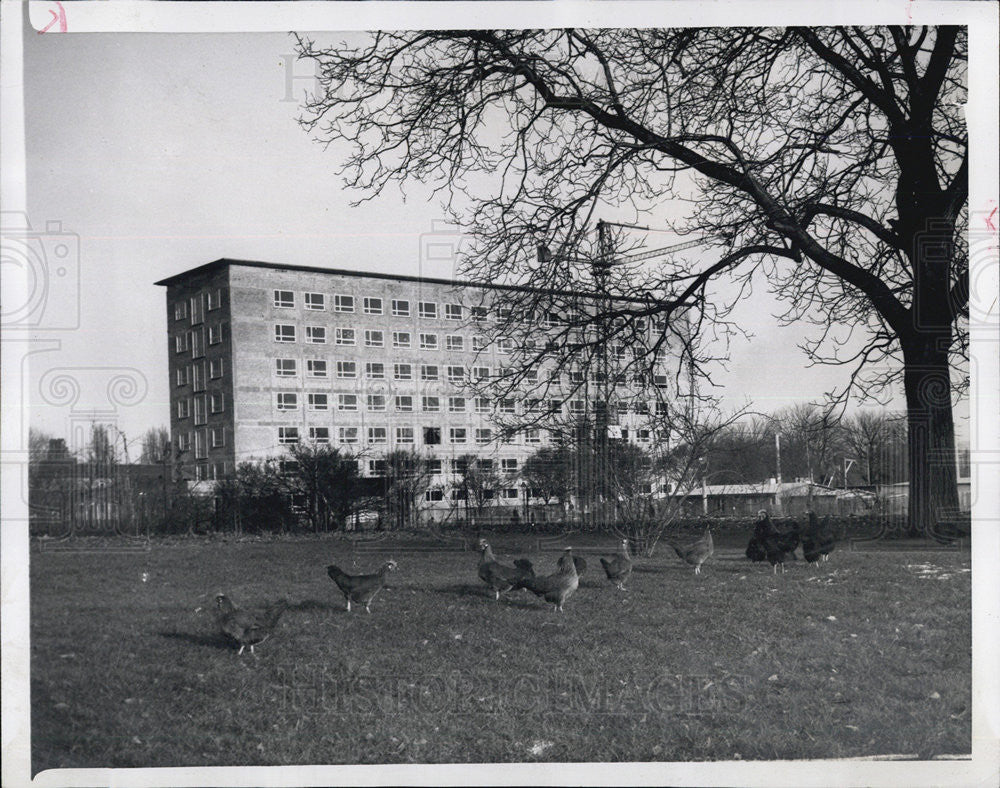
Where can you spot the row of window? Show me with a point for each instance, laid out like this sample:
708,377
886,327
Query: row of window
379,338
196,306
195,374
370,305
428,310
404,403
195,339
456,373
200,441
407,435
200,406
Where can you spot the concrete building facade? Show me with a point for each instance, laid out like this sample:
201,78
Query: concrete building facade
262,356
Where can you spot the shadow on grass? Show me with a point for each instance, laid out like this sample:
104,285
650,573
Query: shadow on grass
314,604
218,640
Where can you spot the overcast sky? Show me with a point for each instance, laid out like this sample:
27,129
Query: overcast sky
163,152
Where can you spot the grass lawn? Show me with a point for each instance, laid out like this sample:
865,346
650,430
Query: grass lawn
866,654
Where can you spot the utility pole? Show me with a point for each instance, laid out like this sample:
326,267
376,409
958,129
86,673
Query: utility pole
777,456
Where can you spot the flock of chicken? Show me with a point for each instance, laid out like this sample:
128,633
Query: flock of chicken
768,543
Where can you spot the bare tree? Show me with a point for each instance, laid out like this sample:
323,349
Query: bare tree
549,473
407,476
878,440
155,446
479,482
831,163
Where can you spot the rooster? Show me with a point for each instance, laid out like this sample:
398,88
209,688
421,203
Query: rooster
360,588
818,541
697,552
619,567
245,627
775,546
502,578
579,563
556,588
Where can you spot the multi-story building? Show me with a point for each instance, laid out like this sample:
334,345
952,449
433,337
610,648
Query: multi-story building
262,356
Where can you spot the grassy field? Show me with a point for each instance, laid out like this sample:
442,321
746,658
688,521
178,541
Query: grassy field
866,654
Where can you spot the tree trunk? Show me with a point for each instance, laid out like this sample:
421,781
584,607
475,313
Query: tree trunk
933,489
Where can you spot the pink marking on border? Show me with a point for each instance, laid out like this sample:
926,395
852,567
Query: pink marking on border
989,219
56,17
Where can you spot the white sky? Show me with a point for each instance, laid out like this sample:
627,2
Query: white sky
163,152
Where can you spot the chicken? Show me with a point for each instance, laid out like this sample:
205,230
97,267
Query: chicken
619,567
499,577
697,552
774,545
556,588
246,627
578,562
360,588
818,541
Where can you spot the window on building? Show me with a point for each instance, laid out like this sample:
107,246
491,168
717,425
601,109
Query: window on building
316,335
215,368
456,404
347,402
374,338
454,342
373,306
184,441
183,376
456,374
345,336
375,370
377,435
404,403
343,303
504,313
404,434
400,308
533,435
347,434
347,369
180,310
479,313
432,436
433,495
287,435
201,449
506,405
183,408
287,400
315,301
198,376
482,404
402,371
434,466
533,405
215,334
457,434
576,376
509,493
643,436
217,402
197,308
661,409
428,372
320,435
484,435
508,465
284,333
427,309
480,374
284,299
428,342
198,342
478,343
400,339
316,368
200,410
431,404
182,342
377,467
577,406
641,406
319,401
453,311
376,402
218,437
